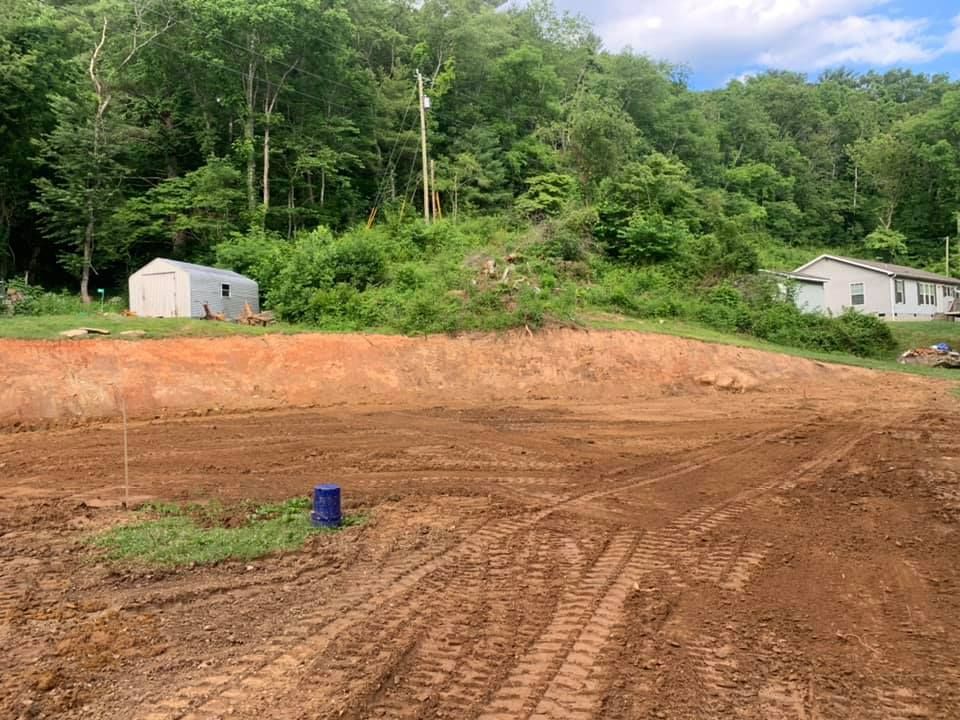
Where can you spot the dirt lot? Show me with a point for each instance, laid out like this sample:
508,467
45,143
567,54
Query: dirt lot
643,547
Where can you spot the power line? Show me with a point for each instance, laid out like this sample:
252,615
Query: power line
383,183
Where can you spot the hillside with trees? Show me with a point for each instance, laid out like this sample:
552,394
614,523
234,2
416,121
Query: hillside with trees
269,135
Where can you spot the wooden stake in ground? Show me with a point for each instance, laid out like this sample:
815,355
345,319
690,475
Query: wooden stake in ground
126,456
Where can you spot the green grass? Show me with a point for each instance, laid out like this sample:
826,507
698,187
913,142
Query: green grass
175,535
49,327
910,333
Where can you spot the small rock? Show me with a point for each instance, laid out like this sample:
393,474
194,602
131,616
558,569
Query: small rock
47,681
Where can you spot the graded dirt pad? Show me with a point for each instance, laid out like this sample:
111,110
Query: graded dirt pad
668,550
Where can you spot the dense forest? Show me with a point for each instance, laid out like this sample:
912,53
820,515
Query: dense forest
210,130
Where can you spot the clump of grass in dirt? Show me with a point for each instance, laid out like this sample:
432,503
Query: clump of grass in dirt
204,534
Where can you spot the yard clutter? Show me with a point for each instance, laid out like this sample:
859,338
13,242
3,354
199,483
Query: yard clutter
208,314
249,317
939,355
81,332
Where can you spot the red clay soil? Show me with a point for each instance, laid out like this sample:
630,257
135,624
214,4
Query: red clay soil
62,380
614,540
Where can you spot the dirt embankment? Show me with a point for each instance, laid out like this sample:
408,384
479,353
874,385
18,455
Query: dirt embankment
46,381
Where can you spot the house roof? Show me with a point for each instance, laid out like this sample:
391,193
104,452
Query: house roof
797,276
193,269
887,269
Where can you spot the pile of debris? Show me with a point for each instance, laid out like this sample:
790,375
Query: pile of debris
248,317
939,355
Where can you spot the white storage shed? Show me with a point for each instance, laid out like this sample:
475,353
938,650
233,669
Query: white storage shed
170,288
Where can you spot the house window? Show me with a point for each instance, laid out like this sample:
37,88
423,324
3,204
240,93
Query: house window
926,294
224,290
901,291
856,293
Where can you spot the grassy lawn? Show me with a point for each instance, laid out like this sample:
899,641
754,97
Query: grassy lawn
907,334
923,334
48,327
171,535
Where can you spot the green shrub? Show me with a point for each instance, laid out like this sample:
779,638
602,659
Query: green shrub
19,298
257,254
863,335
546,195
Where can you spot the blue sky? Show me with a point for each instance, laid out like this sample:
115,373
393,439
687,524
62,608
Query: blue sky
720,40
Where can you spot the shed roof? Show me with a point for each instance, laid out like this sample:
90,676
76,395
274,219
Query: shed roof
193,269
887,269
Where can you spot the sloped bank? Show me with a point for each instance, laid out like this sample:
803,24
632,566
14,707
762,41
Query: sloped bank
69,380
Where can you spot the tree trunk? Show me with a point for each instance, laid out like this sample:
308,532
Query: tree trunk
887,218
323,186
266,166
856,184
290,210
88,236
269,103
456,196
250,90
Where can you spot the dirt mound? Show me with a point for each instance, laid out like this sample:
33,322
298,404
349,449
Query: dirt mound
55,381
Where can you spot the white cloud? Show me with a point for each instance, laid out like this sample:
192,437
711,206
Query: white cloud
852,40
953,39
789,34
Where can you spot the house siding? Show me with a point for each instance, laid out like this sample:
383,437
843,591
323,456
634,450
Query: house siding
877,287
911,309
811,297
205,288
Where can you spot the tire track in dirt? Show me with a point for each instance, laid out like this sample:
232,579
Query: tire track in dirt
531,677
293,649
730,568
297,647
575,690
452,667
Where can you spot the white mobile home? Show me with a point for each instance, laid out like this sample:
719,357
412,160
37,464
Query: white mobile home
892,292
807,291
170,288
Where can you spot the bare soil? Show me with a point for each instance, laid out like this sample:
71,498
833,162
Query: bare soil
651,541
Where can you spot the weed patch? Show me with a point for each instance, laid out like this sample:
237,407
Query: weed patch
172,535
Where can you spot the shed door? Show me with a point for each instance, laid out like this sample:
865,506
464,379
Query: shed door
159,295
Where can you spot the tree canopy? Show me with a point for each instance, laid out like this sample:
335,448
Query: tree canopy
135,128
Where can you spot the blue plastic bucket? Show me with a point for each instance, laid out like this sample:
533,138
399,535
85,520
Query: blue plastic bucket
326,506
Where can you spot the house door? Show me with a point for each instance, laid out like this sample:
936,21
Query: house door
159,295
946,299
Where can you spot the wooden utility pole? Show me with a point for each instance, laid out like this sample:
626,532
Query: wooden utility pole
423,149
947,239
433,184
